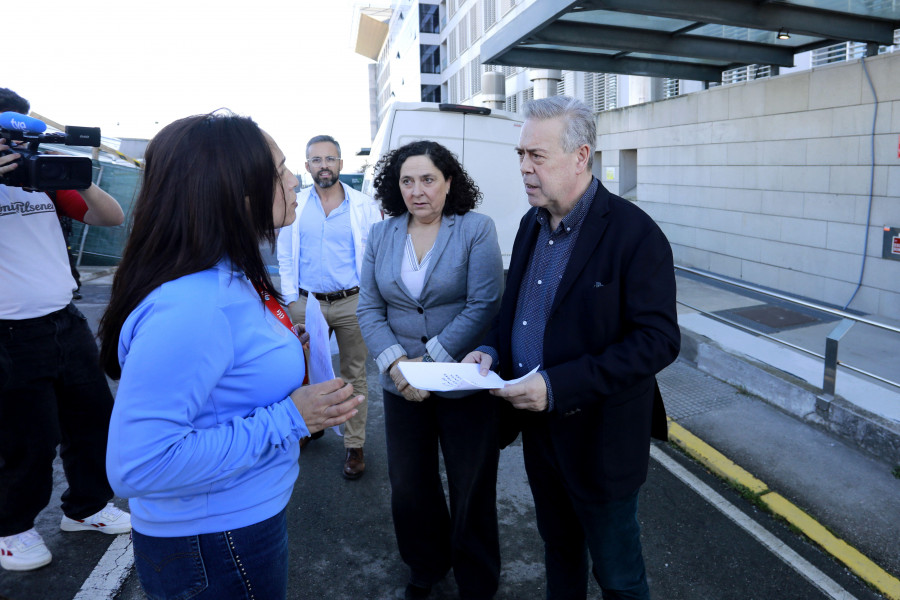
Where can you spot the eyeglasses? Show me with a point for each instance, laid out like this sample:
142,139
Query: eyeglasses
329,160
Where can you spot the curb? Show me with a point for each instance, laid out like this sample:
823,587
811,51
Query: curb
867,431
91,275
724,468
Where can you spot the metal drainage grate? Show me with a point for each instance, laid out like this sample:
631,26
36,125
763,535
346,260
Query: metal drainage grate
687,391
772,318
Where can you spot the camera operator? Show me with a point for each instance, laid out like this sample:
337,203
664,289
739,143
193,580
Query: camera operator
52,391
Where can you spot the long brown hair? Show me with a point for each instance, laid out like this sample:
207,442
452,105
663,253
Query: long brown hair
208,187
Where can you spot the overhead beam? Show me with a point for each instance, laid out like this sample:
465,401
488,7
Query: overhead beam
769,17
531,20
584,35
599,63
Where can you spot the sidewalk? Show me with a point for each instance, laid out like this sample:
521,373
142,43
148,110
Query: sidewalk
865,411
837,462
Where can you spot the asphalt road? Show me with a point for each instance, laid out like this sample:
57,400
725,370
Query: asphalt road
342,542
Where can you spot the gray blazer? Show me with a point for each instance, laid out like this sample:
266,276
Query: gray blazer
459,299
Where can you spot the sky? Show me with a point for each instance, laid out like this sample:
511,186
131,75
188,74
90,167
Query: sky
131,68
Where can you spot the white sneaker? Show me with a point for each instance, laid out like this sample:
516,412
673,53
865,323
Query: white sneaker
109,520
24,551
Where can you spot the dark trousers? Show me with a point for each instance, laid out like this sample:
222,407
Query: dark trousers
431,538
573,528
243,564
52,393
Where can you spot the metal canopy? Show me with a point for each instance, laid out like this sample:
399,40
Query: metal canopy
684,39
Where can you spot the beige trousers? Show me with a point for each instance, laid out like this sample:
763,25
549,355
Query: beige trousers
341,318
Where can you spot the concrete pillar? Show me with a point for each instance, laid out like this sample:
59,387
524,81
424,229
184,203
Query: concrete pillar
545,81
493,90
657,89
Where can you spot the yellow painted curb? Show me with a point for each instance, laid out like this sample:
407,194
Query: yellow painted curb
855,560
841,550
714,460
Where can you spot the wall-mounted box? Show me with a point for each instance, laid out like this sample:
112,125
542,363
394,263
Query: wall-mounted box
891,245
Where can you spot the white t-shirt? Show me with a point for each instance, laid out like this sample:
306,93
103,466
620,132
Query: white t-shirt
35,277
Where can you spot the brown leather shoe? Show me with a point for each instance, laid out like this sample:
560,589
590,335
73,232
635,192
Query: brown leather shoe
355,465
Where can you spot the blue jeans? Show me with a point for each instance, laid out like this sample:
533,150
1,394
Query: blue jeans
52,393
250,563
572,529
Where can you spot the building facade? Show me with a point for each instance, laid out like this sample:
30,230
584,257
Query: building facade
781,178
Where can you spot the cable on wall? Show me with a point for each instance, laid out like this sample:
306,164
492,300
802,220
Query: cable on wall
862,267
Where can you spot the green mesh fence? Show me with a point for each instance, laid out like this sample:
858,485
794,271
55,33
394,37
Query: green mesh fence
104,245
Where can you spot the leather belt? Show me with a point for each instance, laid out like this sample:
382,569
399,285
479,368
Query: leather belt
332,296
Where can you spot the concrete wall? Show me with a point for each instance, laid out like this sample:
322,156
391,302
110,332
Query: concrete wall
768,181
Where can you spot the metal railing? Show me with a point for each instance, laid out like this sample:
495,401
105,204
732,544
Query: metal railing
832,340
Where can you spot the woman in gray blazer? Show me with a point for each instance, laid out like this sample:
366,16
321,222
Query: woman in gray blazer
431,284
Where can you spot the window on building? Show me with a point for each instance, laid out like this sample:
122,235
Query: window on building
429,21
463,32
511,104
430,58
527,95
475,22
490,13
476,72
671,87
601,91
431,93
453,88
465,81
451,46
565,85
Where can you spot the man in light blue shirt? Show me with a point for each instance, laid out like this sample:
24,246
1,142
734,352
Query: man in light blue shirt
321,253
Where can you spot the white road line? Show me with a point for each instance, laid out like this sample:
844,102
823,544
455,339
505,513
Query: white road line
105,580
816,577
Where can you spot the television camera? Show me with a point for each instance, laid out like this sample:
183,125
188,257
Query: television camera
39,171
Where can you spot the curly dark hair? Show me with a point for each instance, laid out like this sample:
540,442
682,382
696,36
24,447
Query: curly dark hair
462,197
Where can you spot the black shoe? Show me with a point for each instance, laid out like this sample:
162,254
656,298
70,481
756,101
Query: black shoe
304,441
416,592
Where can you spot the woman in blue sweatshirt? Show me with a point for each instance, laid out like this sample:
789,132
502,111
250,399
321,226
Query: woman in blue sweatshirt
204,437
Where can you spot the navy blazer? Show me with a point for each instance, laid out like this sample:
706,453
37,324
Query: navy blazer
612,327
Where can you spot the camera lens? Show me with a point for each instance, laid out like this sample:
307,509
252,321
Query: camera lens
53,171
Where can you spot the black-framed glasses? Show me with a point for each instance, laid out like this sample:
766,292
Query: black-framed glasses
318,160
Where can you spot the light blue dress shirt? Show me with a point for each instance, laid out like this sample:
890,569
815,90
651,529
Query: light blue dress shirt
327,259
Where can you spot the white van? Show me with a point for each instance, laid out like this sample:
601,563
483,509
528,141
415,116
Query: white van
483,139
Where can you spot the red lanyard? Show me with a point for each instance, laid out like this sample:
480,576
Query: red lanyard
277,310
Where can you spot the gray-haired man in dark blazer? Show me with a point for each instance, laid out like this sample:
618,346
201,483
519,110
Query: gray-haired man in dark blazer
590,301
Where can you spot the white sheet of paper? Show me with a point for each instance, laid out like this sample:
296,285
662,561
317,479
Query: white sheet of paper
449,377
320,368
